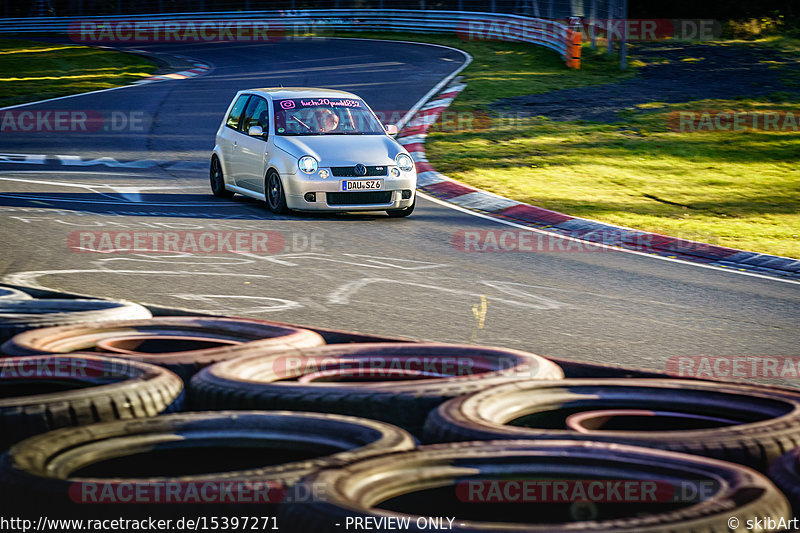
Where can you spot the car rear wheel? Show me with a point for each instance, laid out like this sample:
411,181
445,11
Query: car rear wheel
398,213
217,180
276,198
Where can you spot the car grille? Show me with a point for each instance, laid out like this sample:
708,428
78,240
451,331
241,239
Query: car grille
350,172
359,198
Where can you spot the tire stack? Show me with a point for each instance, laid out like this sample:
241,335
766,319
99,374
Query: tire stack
182,344
399,383
107,411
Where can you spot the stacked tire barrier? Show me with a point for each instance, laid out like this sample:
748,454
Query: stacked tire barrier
425,481
740,423
41,393
182,344
254,453
785,472
107,411
21,314
396,383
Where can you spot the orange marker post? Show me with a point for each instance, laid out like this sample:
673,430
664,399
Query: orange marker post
574,61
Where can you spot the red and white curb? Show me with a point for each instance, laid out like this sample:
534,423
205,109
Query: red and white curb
198,69
435,184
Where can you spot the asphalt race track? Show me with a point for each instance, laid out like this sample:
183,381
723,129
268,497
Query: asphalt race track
357,272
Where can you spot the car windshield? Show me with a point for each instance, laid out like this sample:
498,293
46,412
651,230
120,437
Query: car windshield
325,116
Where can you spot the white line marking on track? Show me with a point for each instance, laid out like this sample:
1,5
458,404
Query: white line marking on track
643,254
65,97
117,188
279,305
343,294
137,83
411,112
113,201
424,100
396,262
516,290
79,161
180,259
30,278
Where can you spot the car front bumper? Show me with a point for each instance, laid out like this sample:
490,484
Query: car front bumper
298,185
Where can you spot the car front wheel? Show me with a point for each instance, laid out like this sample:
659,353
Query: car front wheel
276,197
217,180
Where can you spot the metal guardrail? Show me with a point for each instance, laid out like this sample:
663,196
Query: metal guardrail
467,25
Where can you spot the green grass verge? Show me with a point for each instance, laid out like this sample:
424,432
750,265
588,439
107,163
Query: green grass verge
738,189
501,70
31,71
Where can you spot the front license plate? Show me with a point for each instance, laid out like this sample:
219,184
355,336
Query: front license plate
362,185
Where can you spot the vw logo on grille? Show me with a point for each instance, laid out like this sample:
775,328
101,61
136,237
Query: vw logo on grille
360,170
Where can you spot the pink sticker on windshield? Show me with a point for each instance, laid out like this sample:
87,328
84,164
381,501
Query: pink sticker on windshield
344,102
319,102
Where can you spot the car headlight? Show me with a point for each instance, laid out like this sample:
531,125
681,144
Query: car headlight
404,162
395,172
307,164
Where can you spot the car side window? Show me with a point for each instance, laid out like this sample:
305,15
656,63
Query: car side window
236,112
256,114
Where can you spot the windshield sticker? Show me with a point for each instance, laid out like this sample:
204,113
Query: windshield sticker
317,102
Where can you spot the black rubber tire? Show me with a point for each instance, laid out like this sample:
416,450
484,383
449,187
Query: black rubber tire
770,419
21,315
217,179
371,487
263,382
785,473
80,390
9,293
49,472
256,336
399,213
275,193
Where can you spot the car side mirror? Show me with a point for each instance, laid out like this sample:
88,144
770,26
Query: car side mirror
255,131
391,129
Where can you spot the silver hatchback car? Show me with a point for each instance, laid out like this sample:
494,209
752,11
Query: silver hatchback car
311,150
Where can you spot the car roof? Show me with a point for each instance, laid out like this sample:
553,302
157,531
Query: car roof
278,93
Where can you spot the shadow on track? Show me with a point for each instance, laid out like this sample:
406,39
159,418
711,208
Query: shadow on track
165,205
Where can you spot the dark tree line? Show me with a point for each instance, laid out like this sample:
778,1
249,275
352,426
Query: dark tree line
711,9
714,9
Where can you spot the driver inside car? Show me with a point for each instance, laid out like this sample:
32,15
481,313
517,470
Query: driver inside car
326,119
